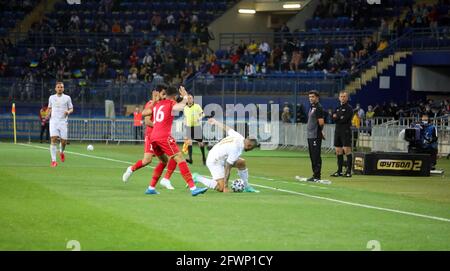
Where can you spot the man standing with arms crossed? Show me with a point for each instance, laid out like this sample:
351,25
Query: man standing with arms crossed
59,108
343,135
315,135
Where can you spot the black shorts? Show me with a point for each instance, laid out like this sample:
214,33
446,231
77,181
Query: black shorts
194,133
343,138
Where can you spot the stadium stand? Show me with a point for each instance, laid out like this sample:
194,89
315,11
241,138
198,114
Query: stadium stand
102,48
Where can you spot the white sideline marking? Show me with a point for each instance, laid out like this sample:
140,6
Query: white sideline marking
355,204
279,189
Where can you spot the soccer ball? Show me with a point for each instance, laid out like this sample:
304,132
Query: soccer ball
237,185
90,148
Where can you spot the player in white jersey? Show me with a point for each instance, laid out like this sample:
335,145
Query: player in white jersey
59,107
225,155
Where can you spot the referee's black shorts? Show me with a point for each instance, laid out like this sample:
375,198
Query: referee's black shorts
343,138
194,133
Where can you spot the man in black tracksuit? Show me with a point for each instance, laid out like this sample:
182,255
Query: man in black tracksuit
314,129
343,135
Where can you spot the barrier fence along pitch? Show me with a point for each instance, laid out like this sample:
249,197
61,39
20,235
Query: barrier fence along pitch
384,137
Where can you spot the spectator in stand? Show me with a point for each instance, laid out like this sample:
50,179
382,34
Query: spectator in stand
369,116
214,69
116,28
252,48
265,48
133,77
371,45
383,45
128,28
106,6
295,60
133,60
249,69
359,111
433,17
286,115
260,58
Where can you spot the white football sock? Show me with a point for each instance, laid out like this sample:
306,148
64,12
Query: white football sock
207,182
164,180
53,152
151,187
243,174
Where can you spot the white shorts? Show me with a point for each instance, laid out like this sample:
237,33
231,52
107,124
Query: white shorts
216,169
58,128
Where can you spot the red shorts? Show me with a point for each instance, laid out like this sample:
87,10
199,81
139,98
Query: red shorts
148,145
166,146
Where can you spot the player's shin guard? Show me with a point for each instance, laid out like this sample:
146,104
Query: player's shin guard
340,162
243,174
171,166
157,173
349,162
137,166
53,152
186,173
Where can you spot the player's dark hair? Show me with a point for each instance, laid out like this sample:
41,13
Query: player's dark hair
171,91
254,141
59,82
314,92
160,87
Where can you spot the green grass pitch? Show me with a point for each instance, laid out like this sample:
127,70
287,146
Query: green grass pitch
84,199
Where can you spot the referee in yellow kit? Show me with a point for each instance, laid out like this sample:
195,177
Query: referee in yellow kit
193,114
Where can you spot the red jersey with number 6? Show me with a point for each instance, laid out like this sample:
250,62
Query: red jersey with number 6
162,119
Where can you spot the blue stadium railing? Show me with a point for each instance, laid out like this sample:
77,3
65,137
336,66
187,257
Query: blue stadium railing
85,40
266,84
312,38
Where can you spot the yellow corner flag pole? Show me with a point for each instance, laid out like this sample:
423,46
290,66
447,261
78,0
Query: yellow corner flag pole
13,111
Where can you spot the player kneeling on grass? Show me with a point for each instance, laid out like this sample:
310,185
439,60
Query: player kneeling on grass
225,155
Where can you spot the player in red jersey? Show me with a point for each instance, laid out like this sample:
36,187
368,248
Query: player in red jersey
164,145
148,151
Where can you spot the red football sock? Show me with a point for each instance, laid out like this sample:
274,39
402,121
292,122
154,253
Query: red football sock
157,173
186,173
171,166
137,166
